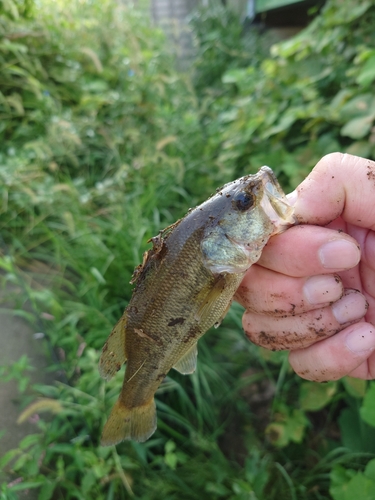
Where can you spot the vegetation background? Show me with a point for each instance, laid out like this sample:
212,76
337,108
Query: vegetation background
102,144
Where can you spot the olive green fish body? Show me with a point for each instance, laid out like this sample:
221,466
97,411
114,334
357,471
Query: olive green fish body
167,314
184,286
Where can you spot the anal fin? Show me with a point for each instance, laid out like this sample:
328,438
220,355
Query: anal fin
188,362
113,352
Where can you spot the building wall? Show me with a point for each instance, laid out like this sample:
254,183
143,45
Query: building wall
172,17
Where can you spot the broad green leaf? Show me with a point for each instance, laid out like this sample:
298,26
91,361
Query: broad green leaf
354,386
7,457
277,434
354,11
216,489
287,48
350,431
367,410
170,446
240,487
340,99
10,7
341,475
297,424
284,123
356,435
234,76
274,357
362,105
89,479
27,485
367,74
370,470
359,148
171,460
358,127
358,487
289,427
314,396
29,440
47,489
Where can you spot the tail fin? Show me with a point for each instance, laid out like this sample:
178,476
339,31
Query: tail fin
138,423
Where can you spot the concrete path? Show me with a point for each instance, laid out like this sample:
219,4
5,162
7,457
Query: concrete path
16,340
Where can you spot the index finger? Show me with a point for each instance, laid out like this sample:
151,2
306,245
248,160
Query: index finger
339,185
306,250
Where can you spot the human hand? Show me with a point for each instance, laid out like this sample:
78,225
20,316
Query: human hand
313,290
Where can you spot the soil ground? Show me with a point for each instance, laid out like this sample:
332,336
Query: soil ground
16,339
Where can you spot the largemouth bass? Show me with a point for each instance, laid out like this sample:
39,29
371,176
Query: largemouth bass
184,286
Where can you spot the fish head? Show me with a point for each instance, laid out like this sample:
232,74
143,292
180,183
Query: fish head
242,216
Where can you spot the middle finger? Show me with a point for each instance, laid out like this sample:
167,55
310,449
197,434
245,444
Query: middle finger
267,292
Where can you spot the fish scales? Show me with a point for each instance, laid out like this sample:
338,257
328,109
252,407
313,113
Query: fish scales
184,286
171,318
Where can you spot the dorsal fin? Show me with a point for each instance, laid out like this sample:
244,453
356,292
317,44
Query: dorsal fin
113,352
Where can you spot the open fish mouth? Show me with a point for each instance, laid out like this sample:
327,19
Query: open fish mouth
277,208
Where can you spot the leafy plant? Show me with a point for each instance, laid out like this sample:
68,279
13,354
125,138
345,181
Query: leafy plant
302,101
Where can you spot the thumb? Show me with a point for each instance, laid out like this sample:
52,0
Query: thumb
339,185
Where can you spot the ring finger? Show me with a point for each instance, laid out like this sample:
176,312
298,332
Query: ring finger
302,330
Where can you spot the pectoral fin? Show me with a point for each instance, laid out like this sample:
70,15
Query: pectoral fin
209,299
113,352
188,362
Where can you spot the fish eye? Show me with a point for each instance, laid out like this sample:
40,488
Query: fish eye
243,201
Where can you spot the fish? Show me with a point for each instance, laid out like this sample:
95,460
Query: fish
184,286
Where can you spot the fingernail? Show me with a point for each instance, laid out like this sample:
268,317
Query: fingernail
339,254
350,307
362,339
322,289
292,197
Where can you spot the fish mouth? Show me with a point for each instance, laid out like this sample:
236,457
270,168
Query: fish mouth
276,205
